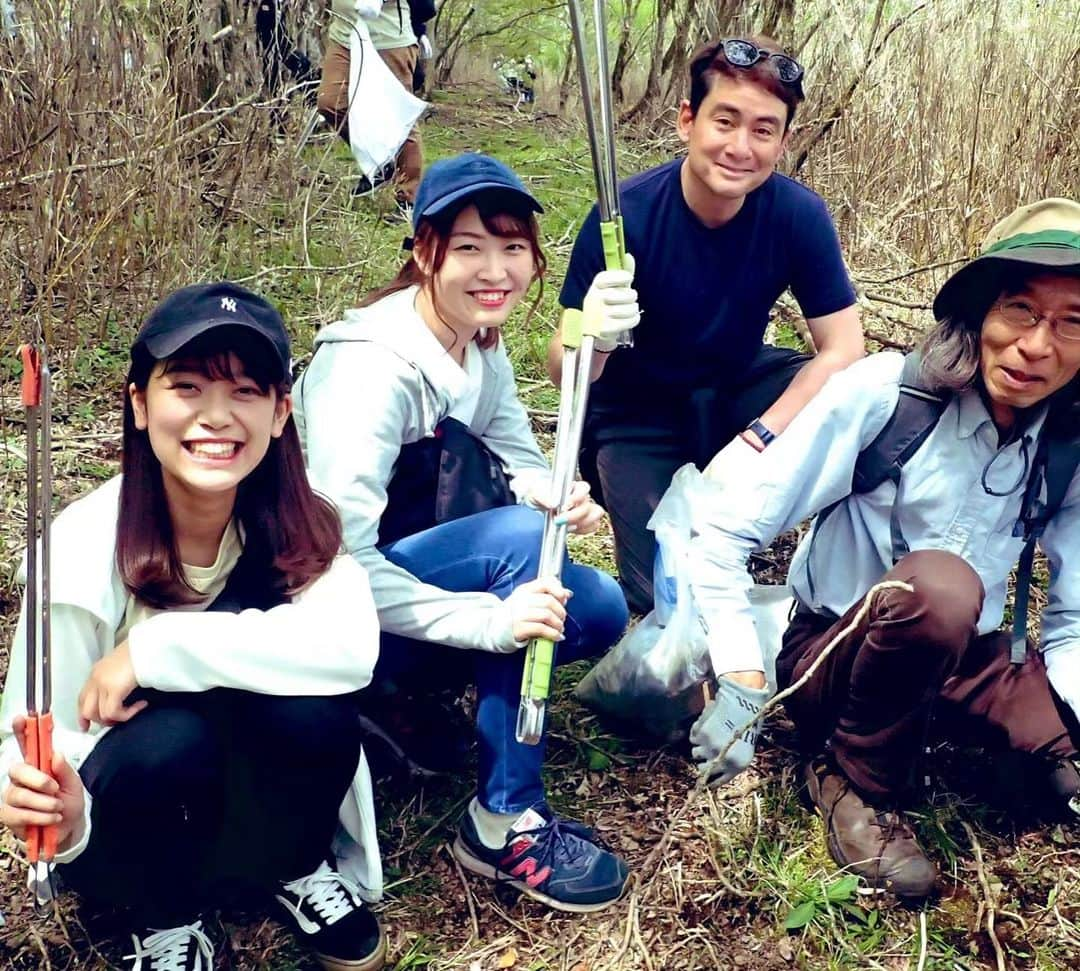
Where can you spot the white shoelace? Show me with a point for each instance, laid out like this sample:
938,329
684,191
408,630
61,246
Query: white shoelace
167,950
331,895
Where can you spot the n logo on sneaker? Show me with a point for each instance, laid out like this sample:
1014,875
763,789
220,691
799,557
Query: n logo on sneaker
527,866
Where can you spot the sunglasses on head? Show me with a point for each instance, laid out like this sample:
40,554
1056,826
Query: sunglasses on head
741,53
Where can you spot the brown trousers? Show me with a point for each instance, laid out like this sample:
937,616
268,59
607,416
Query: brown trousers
334,107
915,655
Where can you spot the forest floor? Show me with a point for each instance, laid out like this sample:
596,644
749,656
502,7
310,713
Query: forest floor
730,878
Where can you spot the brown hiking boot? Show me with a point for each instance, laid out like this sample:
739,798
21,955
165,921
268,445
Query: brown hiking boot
879,846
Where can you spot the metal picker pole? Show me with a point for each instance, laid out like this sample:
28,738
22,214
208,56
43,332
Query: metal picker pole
608,173
38,733
577,24
576,368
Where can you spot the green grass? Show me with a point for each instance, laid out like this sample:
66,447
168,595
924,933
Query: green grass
742,862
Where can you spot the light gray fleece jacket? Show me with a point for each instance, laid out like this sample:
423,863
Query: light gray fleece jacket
380,380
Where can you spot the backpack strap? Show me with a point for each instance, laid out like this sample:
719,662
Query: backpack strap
1056,460
917,411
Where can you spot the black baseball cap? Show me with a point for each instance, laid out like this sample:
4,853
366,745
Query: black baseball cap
451,179
191,311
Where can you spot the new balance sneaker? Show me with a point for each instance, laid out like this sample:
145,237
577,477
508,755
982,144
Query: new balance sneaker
335,922
555,861
183,948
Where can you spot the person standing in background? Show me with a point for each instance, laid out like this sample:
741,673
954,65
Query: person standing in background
392,36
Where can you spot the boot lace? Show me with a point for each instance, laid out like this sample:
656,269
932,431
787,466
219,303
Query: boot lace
167,950
331,895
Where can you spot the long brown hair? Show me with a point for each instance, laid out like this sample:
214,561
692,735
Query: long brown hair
503,214
295,532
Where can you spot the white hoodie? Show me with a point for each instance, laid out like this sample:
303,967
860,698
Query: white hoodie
324,642
380,380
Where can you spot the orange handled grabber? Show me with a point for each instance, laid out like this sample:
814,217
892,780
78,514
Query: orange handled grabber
37,737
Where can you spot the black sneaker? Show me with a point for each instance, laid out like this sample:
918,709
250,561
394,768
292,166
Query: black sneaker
183,948
555,861
367,187
334,920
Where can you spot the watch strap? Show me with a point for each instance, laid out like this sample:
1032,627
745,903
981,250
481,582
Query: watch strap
759,429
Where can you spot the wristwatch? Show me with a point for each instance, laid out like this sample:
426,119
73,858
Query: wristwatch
761,431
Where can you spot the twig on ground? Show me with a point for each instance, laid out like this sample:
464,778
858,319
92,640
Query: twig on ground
431,829
311,267
638,940
632,905
913,272
991,910
922,941
36,938
468,895
893,301
884,341
780,696
647,872
614,756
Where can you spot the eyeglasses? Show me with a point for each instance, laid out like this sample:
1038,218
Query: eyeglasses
1018,312
741,53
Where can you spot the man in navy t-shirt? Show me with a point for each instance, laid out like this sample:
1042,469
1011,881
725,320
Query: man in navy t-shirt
717,237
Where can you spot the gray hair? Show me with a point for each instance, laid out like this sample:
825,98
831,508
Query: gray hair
950,355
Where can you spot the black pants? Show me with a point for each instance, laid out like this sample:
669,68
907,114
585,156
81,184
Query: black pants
628,461
205,796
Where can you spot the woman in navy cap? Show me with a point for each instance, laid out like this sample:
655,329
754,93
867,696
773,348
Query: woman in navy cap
410,420
209,640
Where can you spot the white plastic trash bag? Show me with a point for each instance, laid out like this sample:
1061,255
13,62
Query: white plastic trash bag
381,111
655,676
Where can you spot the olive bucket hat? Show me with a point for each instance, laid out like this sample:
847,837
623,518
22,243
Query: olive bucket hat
1044,235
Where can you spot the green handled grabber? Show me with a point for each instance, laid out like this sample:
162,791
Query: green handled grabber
573,396
577,340
601,139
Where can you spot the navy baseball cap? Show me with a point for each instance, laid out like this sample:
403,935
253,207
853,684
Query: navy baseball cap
190,311
452,179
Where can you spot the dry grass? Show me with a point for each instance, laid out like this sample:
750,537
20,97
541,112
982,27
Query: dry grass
132,162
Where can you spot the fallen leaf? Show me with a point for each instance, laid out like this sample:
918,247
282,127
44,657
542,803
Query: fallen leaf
507,959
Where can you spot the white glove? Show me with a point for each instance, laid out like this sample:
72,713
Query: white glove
611,306
734,706
425,48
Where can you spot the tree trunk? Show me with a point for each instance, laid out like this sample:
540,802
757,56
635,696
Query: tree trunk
652,83
622,54
566,79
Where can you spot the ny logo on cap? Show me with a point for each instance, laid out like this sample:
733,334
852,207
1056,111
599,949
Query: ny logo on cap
229,304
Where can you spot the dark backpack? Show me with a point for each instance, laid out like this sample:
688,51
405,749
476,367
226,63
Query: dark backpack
918,409
441,478
420,12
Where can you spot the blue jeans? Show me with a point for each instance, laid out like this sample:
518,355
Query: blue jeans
496,551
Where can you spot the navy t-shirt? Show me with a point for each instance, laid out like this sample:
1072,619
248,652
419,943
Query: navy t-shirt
705,294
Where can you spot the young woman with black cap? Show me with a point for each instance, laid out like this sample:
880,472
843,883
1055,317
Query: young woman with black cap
401,397
208,644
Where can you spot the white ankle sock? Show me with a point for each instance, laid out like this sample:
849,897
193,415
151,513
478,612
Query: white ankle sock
491,827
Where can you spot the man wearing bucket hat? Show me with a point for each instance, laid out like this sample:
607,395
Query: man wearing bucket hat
940,470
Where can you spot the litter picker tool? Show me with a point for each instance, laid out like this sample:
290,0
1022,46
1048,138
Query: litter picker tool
601,138
38,733
577,357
